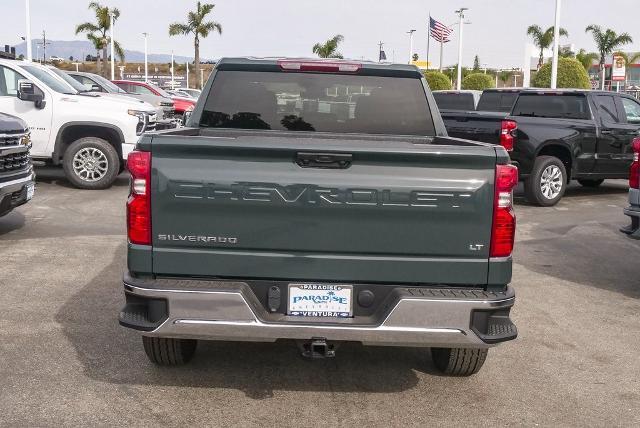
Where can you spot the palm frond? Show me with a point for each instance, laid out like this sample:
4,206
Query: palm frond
177,28
86,27
119,51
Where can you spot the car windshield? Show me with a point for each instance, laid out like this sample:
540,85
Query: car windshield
51,80
497,101
109,85
159,90
70,80
454,101
318,102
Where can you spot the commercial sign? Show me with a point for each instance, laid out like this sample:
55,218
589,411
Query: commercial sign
159,79
618,70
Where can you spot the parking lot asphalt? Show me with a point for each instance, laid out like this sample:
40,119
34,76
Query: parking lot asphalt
64,360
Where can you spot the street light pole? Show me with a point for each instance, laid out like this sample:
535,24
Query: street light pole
28,35
556,41
460,13
146,67
172,80
410,32
187,63
113,54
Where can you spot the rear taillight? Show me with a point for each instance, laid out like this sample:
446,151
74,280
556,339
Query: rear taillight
504,218
321,66
634,171
139,202
508,132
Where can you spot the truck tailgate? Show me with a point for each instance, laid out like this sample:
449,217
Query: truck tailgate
243,206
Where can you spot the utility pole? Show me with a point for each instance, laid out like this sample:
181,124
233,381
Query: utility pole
556,41
113,54
187,74
172,80
410,33
146,66
28,35
460,13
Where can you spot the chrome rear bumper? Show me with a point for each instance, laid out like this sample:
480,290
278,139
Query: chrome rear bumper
221,310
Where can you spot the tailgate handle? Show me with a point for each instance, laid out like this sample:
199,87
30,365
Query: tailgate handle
324,160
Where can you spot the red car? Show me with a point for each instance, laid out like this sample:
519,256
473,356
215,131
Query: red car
180,104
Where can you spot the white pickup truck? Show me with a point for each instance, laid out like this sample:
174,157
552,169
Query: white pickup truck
89,135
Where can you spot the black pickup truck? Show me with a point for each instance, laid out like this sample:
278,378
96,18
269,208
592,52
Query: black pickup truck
319,201
16,172
558,135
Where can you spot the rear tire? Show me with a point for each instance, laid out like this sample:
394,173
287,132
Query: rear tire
547,182
591,183
91,163
169,352
458,361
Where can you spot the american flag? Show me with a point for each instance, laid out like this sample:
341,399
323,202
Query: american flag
439,31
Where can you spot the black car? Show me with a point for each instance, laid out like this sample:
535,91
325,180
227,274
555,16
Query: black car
558,135
17,179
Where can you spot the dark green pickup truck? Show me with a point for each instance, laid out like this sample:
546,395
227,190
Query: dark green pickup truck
319,201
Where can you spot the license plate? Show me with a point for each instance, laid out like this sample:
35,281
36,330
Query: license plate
30,191
320,300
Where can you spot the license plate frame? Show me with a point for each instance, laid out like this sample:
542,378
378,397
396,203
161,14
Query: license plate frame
326,305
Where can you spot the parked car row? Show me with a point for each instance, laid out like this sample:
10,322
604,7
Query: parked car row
89,134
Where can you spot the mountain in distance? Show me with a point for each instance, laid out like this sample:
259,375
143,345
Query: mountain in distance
79,49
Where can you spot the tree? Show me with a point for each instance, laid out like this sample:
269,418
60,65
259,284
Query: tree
71,58
476,63
571,74
97,33
504,77
477,81
606,41
198,26
415,57
437,81
329,49
586,58
543,39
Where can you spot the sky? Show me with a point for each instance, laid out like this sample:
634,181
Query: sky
496,33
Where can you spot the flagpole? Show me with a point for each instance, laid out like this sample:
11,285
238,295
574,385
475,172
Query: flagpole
441,49
428,40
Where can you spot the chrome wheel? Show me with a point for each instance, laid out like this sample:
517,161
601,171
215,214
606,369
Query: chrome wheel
90,164
551,182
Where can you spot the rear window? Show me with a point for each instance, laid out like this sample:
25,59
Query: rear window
317,102
560,106
497,101
453,101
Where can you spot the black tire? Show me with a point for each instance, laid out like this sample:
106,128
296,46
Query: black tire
533,186
106,163
169,352
458,361
591,183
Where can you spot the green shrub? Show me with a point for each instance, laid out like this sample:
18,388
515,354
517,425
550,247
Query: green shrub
478,81
571,74
437,81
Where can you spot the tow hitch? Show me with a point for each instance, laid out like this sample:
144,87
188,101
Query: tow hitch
317,348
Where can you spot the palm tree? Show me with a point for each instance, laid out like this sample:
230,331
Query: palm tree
607,41
197,26
329,49
586,58
543,39
97,33
504,77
